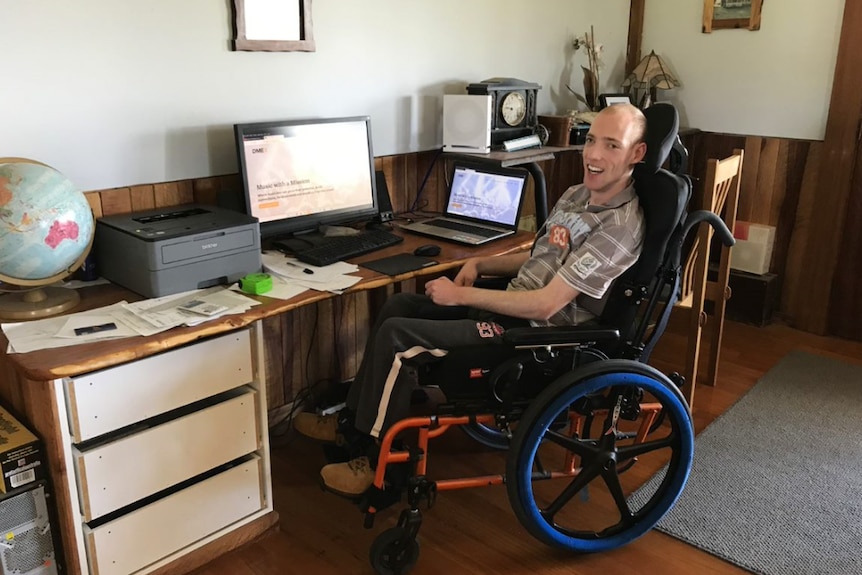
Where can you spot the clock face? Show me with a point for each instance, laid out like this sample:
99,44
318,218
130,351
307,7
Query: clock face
513,108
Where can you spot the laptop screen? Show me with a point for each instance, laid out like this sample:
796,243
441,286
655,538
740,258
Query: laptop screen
487,195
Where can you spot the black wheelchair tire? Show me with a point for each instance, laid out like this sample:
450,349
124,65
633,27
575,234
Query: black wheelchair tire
381,553
531,432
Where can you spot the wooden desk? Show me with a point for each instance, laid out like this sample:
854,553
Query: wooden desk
180,370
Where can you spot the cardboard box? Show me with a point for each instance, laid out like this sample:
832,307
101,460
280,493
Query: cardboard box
753,250
20,454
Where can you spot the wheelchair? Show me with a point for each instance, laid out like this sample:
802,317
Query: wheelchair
571,409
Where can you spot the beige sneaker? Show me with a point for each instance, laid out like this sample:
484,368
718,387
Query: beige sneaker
319,427
350,479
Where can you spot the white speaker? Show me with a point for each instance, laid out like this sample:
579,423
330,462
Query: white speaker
467,123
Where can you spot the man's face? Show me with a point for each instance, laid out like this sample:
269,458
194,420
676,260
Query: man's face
610,152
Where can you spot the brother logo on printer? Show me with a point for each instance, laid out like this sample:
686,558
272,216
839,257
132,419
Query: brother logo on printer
208,246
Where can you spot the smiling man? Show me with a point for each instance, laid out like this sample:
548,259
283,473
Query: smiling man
593,234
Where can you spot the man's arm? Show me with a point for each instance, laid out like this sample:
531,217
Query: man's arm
540,304
503,266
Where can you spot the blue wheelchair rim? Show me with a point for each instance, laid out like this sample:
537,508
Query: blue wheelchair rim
672,485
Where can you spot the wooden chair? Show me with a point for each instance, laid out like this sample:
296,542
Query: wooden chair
720,195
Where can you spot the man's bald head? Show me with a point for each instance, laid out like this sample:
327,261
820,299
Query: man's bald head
633,116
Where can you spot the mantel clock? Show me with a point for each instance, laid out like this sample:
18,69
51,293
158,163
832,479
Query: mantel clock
513,107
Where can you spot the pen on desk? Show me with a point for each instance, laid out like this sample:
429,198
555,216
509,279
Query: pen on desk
304,269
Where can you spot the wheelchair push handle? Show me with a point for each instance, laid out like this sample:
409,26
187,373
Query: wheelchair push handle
721,229
693,219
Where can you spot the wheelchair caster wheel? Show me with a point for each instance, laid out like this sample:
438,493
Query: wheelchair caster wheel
592,507
393,552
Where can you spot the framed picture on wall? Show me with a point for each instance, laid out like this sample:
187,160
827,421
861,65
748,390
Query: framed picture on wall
726,14
273,26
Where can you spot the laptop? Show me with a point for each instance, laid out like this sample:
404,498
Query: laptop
483,204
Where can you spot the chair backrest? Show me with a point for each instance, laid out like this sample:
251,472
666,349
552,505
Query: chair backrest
697,284
720,196
663,197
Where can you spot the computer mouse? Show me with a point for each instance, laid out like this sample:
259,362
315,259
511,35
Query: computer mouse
429,250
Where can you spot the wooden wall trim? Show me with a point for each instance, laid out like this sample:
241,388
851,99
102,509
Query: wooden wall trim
636,33
845,308
819,226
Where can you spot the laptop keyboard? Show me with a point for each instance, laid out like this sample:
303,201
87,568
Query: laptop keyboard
339,248
466,228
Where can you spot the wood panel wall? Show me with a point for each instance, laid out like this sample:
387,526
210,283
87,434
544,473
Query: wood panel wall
826,284
774,174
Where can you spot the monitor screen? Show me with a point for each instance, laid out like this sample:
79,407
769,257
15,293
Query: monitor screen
300,174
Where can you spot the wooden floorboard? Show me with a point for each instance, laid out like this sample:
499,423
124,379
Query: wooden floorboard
475,531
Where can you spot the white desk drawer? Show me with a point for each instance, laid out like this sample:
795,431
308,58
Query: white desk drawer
107,400
138,465
151,533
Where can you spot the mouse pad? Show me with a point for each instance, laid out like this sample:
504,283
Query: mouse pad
399,264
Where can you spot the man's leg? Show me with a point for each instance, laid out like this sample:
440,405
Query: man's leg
383,396
404,305
339,427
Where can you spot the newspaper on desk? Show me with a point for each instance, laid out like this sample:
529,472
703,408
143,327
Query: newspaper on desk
333,278
123,319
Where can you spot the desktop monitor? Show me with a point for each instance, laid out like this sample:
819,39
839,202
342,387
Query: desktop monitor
300,174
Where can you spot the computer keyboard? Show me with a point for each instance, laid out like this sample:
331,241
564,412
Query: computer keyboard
337,248
467,228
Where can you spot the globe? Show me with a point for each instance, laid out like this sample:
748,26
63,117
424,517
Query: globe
46,231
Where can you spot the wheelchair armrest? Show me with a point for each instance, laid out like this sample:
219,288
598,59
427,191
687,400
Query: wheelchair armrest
559,336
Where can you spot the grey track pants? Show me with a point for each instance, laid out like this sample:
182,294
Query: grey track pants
410,331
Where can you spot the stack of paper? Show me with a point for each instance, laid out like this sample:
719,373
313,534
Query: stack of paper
152,316
300,276
123,319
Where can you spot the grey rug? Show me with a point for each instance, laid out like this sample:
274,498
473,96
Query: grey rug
776,485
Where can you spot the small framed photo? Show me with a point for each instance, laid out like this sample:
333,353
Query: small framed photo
724,14
606,100
273,26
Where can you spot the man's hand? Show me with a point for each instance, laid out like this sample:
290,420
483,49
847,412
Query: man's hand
539,304
468,273
443,291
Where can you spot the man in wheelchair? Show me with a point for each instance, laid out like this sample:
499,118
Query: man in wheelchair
594,233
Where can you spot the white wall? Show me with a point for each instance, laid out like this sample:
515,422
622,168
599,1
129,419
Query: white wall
773,82
123,92
117,93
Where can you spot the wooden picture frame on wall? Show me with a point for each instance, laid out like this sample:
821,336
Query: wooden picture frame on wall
726,14
273,26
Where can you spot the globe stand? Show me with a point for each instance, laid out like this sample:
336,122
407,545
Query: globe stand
37,303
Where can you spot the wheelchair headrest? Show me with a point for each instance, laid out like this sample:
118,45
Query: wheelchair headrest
662,127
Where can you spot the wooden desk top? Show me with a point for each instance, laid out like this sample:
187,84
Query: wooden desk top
48,364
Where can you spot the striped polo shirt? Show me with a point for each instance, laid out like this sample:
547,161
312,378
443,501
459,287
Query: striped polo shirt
588,246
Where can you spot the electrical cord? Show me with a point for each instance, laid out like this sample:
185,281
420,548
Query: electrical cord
312,392
304,394
416,202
